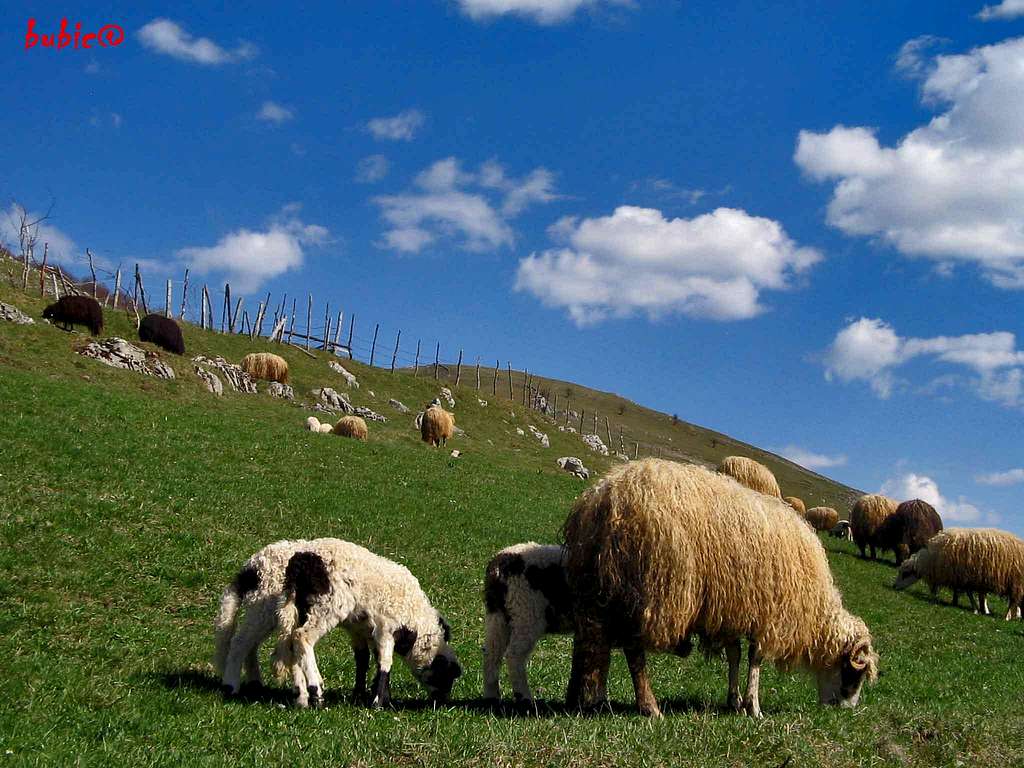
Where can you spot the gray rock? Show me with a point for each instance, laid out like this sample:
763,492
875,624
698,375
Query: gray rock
350,379
369,415
277,389
398,406
14,315
483,403
332,400
448,398
595,444
210,380
239,380
118,353
519,431
574,466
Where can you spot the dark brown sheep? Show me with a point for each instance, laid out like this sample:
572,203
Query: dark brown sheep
76,310
908,529
163,332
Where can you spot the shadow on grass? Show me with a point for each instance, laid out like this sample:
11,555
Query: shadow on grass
201,682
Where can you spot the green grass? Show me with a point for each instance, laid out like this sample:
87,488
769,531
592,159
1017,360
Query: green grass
127,503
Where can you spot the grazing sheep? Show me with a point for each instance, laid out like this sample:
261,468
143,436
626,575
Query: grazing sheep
659,551
326,428
76,310
380,605
527,597
984,560
868,513
908,529
842,530
266,365
796,503
754,475
259,588
352,426
822,518
313,424
437,425
163,332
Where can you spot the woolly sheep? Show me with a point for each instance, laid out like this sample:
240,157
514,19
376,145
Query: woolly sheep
841,530
527,597
822,518
326,428
750,473
437,425
163,332
796,503
867,514
313,424
379,603
984,560
659,551
259,589
76,310
908,529
352,426
266,365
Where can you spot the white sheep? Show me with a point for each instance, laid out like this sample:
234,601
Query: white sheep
527,597
380,605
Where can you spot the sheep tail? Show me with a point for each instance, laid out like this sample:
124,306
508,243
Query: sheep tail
231,598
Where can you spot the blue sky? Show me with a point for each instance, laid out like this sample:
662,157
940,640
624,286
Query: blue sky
801,224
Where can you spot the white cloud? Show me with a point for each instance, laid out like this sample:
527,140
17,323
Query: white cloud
247,258
869,350
1009,477
635,260
272,112
811,460
541,11
168,37
1007,9
952,190
911,60
61,245
913,486
371,169
401,127
473,209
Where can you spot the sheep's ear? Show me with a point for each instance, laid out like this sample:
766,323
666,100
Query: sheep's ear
405,639
860,656
445,628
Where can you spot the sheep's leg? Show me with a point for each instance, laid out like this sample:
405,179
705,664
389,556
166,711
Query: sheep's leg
260,620
1011,611
385,648
362,654
252,668
863,550
733,652
983,604
751,698
636,660
874,553
955,600
517,657
495,643
591,657
320,620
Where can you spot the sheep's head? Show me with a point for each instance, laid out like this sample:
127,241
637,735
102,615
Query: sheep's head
841,530
434,663
49,312
908,572
840,684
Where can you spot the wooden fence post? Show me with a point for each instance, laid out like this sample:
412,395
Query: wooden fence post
582,414
309,320
235,320
56,291
140,290
351,330
494,384
327,325
225,310
42,271
554,406
478,374
202,309
595,423
608,432
525,385
184,295
416,365
622,445
117,286
167,300
373,344
568,402
636,449
394,355
256,321
437,355
510,396
337,330
93,270
291,325
458,370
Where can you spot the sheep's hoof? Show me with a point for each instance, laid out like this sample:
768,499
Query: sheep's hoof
753,710
379,703
651,711
316,696
229,692
735,704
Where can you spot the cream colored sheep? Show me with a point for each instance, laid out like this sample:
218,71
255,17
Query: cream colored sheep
437,425
866,517
352,426
266,365
752,474
822,518
326,429
796,503
659,551
970,560
313,424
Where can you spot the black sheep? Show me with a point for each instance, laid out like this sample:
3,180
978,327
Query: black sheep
163,332
908,529
76,310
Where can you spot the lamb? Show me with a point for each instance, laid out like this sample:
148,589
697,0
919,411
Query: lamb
352,426
822,518
437,425
163,332
313,424
266,365
908,529
527,597
970,560
868,513
76,310
380,605
752,474
842,530
260,588
796,503
659,551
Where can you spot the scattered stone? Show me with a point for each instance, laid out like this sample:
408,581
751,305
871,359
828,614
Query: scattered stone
210,380
447,395
118,353
456,453
239,380
14,315
621,456
398,406
483,403
332,401
571,429
574,466
458,431
519,431
595,444
540,436
370,393
277,389
366,413
350,379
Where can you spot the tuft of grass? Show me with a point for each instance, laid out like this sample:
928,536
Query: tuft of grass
127,503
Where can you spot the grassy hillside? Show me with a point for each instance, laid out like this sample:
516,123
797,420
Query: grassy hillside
127,503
